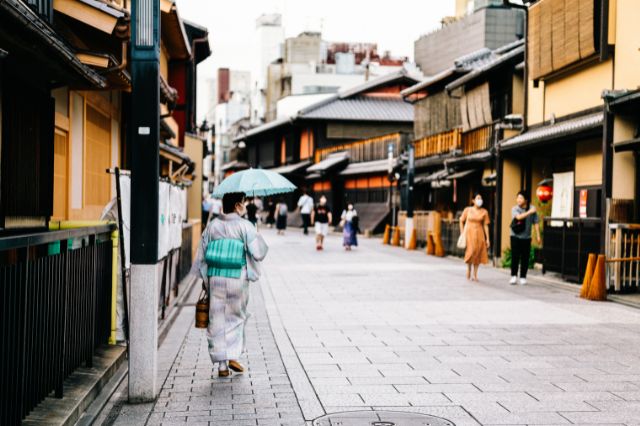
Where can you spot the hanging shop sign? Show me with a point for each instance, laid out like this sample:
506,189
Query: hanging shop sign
582,208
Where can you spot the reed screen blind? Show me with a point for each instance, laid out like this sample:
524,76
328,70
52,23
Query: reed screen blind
561,32
475,108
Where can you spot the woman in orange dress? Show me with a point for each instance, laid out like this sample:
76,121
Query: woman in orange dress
476,220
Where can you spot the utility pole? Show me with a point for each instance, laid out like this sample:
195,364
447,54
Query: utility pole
144,139
411,168
390,176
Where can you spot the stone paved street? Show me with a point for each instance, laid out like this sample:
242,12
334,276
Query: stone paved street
386,329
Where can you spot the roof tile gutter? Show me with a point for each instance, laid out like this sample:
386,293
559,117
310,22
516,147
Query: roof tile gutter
22,13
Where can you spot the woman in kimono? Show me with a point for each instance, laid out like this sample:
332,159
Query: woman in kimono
229,280
349,221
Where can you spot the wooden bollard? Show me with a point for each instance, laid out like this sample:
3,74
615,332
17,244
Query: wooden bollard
413,240
431,248
588,275
395,238
386,238
598,286
439,248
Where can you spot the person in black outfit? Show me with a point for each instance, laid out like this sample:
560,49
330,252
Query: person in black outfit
252,212
321,218
523,218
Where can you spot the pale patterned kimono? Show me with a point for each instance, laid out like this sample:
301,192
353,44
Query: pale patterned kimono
228,297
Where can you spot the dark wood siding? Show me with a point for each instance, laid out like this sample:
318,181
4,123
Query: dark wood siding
435,114
267,153
27,151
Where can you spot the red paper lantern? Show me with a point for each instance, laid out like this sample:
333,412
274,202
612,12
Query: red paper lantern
544,193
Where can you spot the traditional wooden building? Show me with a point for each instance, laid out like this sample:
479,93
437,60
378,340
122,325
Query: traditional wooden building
317,146
573,56
453,134
491,108
64,99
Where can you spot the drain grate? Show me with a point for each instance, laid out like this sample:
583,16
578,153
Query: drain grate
380,418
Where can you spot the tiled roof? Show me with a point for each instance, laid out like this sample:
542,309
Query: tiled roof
291,168
377,166
353,104
331,161
363,108
514,55
470,158
461,65
392,77
555,131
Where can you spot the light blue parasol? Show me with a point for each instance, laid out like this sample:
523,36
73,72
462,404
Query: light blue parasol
254,183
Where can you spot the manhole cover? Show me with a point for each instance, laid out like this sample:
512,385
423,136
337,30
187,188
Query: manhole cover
380,418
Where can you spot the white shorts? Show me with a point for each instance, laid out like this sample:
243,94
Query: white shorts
322,229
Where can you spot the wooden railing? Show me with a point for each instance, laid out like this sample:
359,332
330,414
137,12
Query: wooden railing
365,150
440,143
477,139
624,243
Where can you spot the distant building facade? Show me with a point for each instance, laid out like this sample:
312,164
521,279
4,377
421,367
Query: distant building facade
311,66
486,24
233,105
269,37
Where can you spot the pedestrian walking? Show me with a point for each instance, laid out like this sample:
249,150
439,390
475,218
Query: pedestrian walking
321,218
228,259
523,218
207,203
305,204
252,212
474,225
271,212
215,210
349,223
282,212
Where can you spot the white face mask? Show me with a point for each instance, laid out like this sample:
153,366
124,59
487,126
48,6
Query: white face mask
478,203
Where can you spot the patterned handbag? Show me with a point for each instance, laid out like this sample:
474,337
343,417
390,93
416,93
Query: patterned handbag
225,258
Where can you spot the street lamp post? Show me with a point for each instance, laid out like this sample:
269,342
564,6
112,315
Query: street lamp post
144,137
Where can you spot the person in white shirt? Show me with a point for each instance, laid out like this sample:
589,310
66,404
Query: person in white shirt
215,210
305,204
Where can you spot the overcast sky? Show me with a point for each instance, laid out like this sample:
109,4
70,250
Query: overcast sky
394,25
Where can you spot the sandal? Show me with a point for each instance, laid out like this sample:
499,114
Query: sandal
236,366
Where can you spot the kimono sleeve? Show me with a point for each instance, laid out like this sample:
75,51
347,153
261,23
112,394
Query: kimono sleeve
485,219
256,246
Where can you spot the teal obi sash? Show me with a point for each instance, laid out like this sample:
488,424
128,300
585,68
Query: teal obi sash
225,258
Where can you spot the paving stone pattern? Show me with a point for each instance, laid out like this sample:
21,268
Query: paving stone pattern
193,394
383,328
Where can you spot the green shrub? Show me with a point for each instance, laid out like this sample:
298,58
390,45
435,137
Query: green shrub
506,257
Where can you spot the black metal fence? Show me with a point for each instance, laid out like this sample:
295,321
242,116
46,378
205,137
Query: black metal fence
567,244
55,293
184,265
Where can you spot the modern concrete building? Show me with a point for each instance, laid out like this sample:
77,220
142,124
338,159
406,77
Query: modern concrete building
311,66
487,25
269,37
